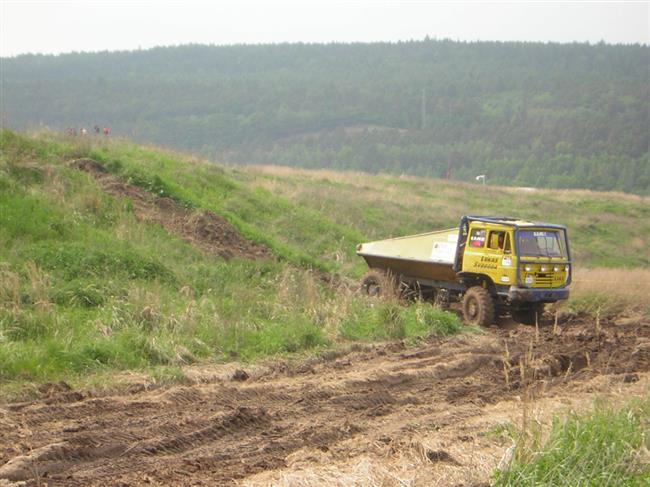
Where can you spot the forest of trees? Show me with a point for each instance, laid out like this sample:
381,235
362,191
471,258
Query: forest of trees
530,114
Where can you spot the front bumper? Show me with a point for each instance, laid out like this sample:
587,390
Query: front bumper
537,295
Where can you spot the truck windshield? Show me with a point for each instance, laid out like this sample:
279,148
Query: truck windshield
541,243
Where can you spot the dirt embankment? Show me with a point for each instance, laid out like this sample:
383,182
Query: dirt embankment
387,414
204,229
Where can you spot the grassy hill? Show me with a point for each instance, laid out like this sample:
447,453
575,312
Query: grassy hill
606,229
90,284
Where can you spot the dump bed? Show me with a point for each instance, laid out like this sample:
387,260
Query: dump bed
424,256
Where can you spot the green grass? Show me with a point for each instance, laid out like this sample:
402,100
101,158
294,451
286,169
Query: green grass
604,447
294,233
87,288
605,229
390,320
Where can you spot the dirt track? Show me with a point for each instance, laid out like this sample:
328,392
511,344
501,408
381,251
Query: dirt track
370,403
204,229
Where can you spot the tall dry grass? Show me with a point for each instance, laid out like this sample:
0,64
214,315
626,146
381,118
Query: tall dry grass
611,291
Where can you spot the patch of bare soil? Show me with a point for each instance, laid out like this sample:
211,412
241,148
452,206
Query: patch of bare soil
203,229
382,415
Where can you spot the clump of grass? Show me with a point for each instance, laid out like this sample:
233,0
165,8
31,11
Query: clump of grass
388,319
606,446
9,287
83,259
81,292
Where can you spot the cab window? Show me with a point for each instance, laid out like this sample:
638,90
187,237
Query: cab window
507,248
477,237
541,243
499,240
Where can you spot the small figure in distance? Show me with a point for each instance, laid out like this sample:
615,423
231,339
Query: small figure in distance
84,131
106,131
96,129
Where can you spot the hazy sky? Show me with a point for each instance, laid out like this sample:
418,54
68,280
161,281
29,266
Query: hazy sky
64,26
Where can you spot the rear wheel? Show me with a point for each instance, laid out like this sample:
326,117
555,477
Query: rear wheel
376,282
478,307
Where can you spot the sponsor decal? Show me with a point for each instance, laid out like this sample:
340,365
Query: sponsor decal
477,238
486,262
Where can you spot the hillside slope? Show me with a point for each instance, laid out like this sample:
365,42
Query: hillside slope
95,277
530,114
115,256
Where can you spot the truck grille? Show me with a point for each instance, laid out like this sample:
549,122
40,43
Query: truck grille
543,280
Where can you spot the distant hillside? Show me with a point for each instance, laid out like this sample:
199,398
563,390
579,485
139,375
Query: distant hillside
528,114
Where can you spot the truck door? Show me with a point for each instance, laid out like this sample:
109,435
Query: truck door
474,253
499,257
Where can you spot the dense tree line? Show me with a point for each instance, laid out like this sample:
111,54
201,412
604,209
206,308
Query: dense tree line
559,115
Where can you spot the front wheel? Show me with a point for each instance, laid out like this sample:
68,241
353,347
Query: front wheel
478,307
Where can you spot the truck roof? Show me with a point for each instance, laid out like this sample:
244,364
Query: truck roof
513,222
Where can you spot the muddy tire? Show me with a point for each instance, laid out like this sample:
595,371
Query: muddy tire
526,315
478,307
377,283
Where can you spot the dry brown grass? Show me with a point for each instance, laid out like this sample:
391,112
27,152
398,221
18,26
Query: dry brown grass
626,284
9,288
355,177
39,283
612,291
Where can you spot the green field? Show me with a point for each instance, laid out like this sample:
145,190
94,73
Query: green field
88,288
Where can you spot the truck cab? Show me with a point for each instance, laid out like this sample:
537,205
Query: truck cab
522,264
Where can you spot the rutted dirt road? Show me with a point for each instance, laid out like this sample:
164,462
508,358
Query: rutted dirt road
398,415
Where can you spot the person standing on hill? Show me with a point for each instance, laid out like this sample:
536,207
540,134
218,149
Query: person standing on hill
106,131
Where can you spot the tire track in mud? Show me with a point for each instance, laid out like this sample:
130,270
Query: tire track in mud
222,432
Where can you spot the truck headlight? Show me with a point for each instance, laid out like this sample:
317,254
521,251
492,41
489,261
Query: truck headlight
529,279
528,268
557,268
543,268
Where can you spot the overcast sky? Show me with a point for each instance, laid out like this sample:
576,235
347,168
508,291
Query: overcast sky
64,26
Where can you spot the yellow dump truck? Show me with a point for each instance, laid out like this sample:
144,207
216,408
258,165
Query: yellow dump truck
495,266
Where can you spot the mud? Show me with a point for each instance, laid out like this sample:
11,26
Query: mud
370,401
203,229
